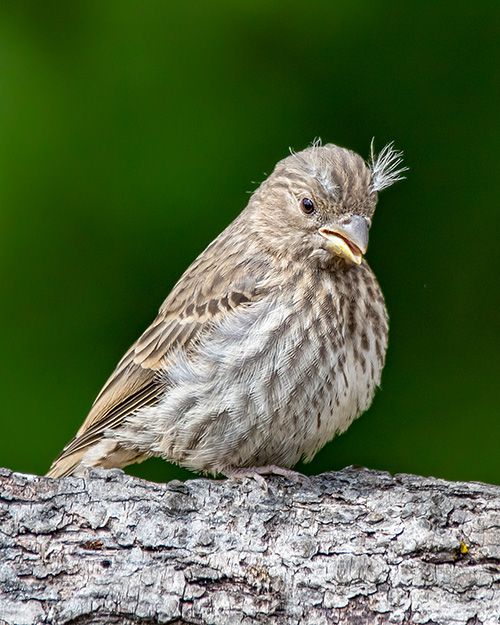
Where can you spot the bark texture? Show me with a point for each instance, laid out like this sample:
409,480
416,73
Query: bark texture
357,547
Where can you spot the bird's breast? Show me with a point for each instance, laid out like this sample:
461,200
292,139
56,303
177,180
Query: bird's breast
347,337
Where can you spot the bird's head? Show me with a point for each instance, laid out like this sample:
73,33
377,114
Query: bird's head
320,202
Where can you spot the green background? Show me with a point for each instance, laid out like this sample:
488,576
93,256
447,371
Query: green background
130,135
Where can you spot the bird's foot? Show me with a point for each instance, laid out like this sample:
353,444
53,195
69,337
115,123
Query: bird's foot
255,473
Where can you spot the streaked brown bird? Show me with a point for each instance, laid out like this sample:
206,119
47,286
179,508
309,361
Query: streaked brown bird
272,341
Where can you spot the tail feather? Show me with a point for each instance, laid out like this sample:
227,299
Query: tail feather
106,453
63,466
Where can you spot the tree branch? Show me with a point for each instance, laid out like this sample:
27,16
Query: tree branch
359,547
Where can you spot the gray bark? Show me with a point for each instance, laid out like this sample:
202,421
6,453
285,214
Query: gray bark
358,547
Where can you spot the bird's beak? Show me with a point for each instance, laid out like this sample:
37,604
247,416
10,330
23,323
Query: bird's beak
347,238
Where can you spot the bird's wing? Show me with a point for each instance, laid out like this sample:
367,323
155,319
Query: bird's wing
203,295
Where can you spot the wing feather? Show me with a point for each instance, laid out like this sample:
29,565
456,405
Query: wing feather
202,296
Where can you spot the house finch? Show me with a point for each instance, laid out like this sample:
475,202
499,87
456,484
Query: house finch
272,341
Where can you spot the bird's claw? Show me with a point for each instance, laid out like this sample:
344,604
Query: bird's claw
256,473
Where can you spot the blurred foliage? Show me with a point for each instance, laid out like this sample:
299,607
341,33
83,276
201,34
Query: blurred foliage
131,133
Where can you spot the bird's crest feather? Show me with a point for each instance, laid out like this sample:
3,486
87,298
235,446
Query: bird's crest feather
385,167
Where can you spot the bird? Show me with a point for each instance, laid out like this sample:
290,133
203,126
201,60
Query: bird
272,341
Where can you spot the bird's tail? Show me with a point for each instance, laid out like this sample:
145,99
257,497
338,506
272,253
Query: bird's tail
66,465
104,453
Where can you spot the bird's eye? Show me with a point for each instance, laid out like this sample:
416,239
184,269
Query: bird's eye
307,206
